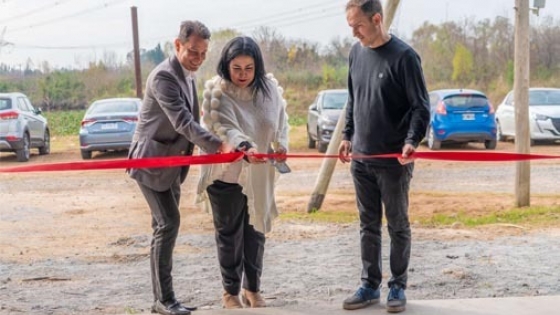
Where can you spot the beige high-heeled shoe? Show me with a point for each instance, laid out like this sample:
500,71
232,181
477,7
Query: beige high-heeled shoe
252,299
231,301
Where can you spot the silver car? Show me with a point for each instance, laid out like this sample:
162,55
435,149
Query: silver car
544,115
109,124
22,127
322,117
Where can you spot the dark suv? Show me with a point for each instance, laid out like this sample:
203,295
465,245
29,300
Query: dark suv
322,117
22,127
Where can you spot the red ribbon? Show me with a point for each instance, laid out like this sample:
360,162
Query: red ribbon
126,164
175,161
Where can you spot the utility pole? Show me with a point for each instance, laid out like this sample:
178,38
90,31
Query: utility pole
521,99
327,167
137,69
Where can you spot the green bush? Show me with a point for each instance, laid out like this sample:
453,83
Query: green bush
64,123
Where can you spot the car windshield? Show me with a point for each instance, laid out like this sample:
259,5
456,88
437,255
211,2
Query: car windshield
335,100
5,103
113,107
544,97
466,100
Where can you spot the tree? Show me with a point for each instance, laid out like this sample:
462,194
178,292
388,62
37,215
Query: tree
154,56
462,64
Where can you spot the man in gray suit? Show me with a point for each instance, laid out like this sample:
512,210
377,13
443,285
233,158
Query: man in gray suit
169,126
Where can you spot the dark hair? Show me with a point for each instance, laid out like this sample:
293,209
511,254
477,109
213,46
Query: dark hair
190,28
244,46
368,7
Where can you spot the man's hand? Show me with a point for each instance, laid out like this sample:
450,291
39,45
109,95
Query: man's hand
407,152
344,151
225,148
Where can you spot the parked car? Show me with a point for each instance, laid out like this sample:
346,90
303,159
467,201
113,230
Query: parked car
109,124
544,115
322,117
22,127
460,115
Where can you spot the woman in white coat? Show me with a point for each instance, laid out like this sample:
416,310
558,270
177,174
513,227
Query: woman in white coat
244,107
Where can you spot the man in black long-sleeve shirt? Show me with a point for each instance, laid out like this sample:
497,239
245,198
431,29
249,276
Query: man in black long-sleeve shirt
387,112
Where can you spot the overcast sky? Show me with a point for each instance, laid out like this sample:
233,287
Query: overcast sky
71,33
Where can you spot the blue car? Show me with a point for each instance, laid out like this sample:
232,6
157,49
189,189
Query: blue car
460,116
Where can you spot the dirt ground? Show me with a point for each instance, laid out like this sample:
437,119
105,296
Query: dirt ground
78,242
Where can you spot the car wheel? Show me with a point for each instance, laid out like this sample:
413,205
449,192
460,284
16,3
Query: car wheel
46,148
23,154
321,146
433,143
490,144
86,155
310,141
499,135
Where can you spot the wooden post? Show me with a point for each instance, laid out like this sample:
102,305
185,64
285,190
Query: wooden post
521,102
137,68
327,167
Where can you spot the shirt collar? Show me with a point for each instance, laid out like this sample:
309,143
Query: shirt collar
188,74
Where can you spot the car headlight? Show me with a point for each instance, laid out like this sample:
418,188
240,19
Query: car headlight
325,121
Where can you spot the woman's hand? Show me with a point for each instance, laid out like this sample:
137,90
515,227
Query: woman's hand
251,158
280,152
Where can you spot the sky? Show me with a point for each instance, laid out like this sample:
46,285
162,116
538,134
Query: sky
72,33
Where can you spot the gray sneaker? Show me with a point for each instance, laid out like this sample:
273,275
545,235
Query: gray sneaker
396,300
363,297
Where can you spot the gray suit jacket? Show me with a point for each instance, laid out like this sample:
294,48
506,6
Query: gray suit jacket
168,125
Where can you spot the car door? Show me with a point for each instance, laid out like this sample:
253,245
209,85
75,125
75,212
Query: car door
507,116
34,123
313,116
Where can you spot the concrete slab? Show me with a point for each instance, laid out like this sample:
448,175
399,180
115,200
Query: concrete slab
544,305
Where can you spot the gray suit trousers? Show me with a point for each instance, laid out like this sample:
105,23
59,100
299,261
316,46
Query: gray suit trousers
166,220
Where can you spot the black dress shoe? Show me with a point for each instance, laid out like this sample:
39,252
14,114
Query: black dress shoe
171,308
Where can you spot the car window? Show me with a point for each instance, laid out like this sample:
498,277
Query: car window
29,106
434,99
544,97
334,100
5,103
113,107
22,105
509,99
466,100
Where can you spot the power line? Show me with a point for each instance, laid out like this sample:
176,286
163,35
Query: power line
85,47
31,12
61,18
300,20
297,11
294,17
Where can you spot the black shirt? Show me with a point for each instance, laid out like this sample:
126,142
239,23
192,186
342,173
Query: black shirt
388,104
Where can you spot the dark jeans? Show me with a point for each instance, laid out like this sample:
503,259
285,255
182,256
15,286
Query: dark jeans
377,186
166,220
240,246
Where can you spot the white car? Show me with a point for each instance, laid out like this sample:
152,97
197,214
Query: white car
544,115
22,127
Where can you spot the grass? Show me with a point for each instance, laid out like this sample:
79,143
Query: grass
64,123
321,216
533,216
528,217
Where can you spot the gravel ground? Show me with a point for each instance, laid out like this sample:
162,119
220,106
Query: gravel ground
298,273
